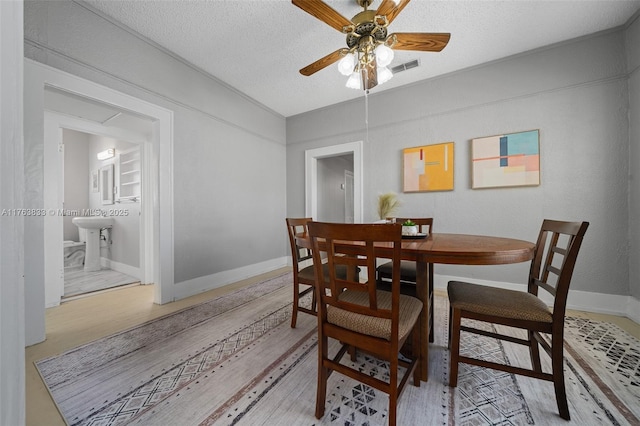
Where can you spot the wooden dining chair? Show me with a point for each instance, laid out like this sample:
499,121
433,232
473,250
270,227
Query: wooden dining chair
357,314
304,279
408,271
551,270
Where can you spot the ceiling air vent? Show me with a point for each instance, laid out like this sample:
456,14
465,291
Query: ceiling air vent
405,66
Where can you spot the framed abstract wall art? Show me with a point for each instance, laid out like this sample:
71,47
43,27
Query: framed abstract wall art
428,168
507,160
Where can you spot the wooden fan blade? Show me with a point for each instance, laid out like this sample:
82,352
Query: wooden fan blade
391,8
324,62
426,42
323,12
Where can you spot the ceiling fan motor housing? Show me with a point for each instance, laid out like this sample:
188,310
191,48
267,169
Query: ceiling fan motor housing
365,25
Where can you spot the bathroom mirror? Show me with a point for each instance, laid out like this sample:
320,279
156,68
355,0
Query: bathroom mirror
106,184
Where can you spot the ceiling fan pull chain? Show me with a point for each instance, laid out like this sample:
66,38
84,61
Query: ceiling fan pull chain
366,114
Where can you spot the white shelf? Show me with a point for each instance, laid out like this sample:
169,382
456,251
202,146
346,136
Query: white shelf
129,166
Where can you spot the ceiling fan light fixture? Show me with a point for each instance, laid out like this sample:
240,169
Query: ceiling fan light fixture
384,75
353,82
384,55
369,46
346,64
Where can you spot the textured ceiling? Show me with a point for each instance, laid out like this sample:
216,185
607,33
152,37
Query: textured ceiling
258,46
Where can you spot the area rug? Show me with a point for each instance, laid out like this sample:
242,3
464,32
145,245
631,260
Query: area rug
236,360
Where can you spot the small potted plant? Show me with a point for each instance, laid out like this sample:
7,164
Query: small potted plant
409,228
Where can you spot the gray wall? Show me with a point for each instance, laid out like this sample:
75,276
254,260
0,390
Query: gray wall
577,95
331,196
230,155
228,151
76,178
633,67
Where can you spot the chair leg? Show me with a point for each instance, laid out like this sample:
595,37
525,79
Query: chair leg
450,326
353,353
393,391
557,365
431,323
294,308
323,376
314,306
454,345
534,351
416,346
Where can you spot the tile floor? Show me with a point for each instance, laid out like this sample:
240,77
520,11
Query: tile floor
77,281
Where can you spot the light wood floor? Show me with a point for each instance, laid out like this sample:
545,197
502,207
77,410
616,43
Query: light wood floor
87,319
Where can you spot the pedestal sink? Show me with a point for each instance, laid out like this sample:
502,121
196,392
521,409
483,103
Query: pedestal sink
92,225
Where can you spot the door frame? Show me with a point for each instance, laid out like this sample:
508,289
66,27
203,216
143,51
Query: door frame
311,176
159,230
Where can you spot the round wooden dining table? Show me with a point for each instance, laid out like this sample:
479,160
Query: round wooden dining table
453,249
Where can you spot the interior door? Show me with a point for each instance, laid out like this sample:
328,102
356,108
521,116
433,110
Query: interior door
349,208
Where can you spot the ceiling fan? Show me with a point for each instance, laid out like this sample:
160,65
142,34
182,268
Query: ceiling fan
369,47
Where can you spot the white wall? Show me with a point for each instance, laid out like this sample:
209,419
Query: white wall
12,311
575,93
76,178
633,67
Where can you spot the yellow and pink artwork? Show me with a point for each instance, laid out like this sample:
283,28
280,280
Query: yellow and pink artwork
506,160
428,168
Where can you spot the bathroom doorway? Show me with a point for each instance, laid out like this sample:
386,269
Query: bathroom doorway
101,176
76,127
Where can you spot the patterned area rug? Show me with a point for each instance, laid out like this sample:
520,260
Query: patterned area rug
235,360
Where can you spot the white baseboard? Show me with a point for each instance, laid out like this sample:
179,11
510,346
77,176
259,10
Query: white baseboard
633,309
201,284
612,304
120,267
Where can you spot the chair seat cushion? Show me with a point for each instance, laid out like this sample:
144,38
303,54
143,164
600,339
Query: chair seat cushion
308,273
410,308
407,270
500,302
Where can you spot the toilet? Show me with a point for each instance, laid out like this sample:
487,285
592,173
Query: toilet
74,251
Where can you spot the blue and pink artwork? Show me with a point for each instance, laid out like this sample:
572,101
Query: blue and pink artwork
506,160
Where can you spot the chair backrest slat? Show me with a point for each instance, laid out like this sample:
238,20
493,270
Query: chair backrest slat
350,246
298,254
547,287
560,251
558,243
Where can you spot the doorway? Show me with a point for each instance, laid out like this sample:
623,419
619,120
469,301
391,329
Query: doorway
312,178
96,173
335,189
156,188
79,125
